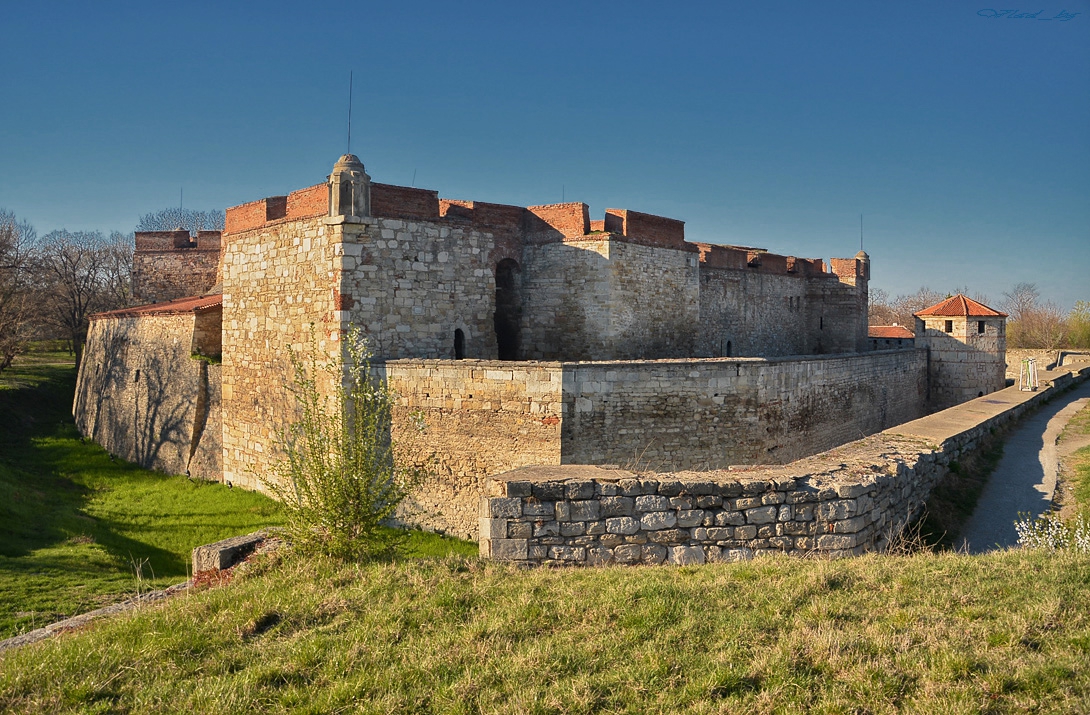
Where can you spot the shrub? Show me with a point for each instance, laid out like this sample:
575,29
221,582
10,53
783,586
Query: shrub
338,480
1049,531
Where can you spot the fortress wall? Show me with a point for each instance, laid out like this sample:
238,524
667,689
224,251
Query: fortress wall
758,313
837,309
411,284
142,396
160,276
705,414
844,502
278,281
603,298
479,418
566,300
655,298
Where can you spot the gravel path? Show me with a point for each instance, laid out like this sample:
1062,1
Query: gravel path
1025,480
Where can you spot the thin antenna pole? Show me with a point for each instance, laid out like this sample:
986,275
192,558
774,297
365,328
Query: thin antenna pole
414,179
860,232
180,197
562,197
349,111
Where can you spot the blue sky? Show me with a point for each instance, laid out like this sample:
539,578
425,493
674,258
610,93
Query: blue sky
962,132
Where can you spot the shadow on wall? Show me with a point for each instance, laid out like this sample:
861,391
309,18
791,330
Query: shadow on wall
139,399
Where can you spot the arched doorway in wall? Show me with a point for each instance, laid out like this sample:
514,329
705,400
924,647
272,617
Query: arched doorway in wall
508,308
459,344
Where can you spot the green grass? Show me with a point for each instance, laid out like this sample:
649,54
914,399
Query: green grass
943,633
953,500
79,529
1080,461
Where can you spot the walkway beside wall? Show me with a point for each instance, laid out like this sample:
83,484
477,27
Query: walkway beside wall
1025,479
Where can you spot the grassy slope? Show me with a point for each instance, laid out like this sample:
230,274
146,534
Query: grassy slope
74,523
1079,463
1006,632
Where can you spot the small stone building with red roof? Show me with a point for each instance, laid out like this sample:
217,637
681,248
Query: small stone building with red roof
889,337
967,348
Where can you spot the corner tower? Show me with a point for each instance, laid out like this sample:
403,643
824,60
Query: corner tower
967,350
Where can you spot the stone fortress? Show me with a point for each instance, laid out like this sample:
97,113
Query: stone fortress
523,335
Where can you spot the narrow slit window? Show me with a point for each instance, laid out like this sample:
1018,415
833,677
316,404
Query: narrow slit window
459,344
949,326
980,326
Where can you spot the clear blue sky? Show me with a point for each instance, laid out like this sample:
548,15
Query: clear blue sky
962,135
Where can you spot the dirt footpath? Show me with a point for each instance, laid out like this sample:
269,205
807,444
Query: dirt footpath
1024,482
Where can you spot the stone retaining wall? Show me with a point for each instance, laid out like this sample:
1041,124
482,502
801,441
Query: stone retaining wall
843,502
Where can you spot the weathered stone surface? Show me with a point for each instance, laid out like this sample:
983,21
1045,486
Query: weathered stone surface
654,520
226,553
622,525
617,506
685,555
510,549
651,503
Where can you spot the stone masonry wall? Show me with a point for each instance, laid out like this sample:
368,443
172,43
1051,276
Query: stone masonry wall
704,414
479,418
162,271
411,284
278,287
601,298
143,397
844,502
964,363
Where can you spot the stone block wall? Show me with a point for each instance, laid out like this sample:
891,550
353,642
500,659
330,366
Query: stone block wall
479,418
170,264
600,298
840,503
411,284
705,414
964,363
278,285
143,397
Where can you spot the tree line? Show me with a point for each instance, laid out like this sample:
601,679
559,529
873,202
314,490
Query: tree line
51,284
1032,323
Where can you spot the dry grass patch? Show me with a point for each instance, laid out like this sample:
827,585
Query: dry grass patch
930,633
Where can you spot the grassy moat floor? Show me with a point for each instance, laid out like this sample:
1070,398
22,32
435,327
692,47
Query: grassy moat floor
927,633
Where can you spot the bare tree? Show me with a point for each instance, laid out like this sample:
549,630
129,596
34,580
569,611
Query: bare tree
1020,300
173,219
80,273
906,306
880,311
17,304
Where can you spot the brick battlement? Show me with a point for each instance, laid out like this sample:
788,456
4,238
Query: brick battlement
758,260
179,240
304,203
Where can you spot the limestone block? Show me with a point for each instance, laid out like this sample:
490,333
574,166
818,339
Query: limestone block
652,503
504,507
492,528
519,530
628,553
651,553
546,528
730,518
596,527
548,491
580,489
761,515
533,507
572,528
668,536
616,506
744,533
685,555
836,509
655,520
568,553
599,556
683,502
690,517
510,549
622,525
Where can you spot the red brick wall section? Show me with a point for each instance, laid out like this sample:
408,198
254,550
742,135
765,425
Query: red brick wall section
555,222
847,267
244,217
650,230
403,202
308,202
714,256
276,207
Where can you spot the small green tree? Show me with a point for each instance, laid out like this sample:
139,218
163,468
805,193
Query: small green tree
339,480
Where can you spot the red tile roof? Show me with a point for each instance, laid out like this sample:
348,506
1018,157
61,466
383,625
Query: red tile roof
889,331
960,306
192,304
